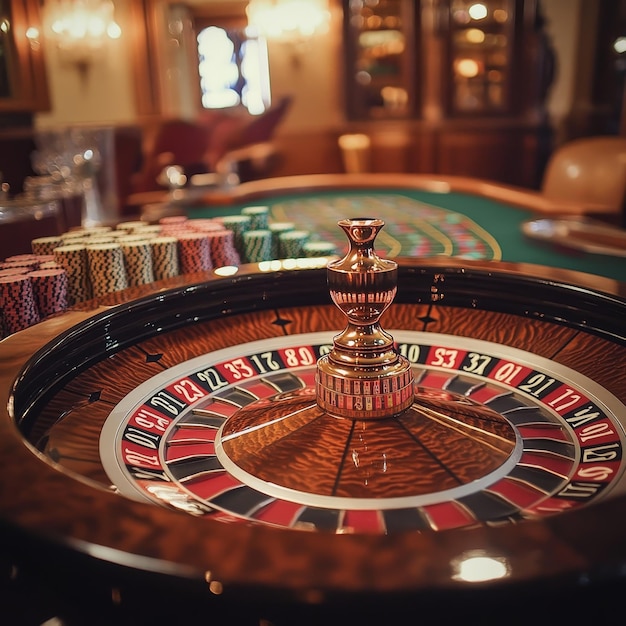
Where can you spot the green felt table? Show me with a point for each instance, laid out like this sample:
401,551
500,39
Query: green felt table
420,222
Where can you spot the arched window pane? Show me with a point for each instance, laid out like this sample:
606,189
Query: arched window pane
233,70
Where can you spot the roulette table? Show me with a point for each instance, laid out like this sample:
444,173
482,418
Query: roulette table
124,498
426,217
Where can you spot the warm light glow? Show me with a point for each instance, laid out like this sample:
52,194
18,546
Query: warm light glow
476,568
477,11
468,68
619,45
475,35
81,28
289,20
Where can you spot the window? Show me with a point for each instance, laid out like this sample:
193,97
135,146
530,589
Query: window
233,68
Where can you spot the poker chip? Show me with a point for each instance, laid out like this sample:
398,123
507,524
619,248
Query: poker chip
276,229
45,245
22,258
206,225
257,246
130,238
168,220
106,268
223,251
148,230
259,216
319,248
49,290
239,224
49,265
31,264
164,257
130,226
72,235
138,262
17,302
291,243
97,239
194,253
14,271
73,258
44,258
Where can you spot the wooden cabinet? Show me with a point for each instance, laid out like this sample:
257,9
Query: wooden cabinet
23,82
459,84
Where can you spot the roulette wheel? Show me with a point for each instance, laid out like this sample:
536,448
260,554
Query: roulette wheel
238,446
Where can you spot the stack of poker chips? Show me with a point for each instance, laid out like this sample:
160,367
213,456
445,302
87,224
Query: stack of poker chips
17,300
137,256
291,243
277,228
84,263
239,224
259,216
73,258
319,248
194,252
49,290
164,257
32,287
257,245
105,268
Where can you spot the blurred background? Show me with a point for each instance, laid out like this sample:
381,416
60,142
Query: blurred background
482,89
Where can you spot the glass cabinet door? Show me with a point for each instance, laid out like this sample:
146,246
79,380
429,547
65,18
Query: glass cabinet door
459,56
481,43
381,38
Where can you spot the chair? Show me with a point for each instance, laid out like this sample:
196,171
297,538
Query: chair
175,142
236,133
355,152
590,170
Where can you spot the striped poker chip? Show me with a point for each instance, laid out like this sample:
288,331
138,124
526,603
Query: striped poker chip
164,257
319,248
239,224
168,220
258,246
276,228
194,253
73,259
259,216
49,290
130,238
44,258
17,302
292,243
96,239
148,230
45,245
14,271
205,225
28,265
49,265
223,251
138,262
130,226
22,258
71,236
107,272
97,231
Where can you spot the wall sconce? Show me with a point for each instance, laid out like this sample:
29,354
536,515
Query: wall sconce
81,28
292,22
